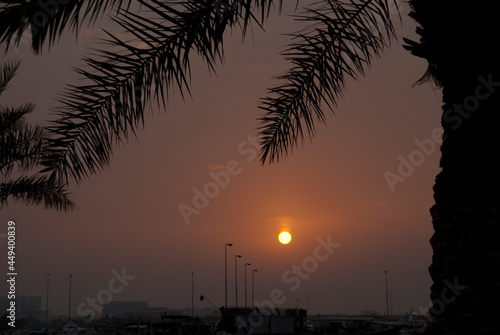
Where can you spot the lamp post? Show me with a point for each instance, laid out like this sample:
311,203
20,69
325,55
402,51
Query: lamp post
253,297
47,303
236,277
69,305
225,271
246,264
192,295
386,295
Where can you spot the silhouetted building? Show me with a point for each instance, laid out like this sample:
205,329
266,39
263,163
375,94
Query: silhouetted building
28,304
262,321
4,304
25,305
115,308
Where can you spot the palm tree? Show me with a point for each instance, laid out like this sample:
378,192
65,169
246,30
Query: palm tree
340,42
457,40
22,146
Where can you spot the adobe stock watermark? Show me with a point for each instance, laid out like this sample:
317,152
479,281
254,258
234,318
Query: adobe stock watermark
455,117
293,277
437,306
91,307
218,180
297,273
407,165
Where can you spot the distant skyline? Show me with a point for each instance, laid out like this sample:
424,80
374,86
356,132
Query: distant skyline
127,308
348,223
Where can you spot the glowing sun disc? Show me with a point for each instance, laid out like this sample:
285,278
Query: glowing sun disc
285,237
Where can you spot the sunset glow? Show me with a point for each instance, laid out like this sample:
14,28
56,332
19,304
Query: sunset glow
158,217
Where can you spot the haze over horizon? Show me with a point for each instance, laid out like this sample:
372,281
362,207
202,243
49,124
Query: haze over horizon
192,182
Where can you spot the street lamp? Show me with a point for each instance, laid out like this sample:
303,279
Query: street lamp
225,271
236,277
386,295
69,305
47,303
246,264
253,297
192,295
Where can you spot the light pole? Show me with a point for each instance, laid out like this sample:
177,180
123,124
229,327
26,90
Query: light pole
246,264
69,305
253,297
236,277
192,295
386,295
225,272
47,303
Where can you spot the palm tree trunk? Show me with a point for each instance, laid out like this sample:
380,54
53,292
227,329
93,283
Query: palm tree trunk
458,39
466,243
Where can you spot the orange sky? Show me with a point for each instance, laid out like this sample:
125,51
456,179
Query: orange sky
332,189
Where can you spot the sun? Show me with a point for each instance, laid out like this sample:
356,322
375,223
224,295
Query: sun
285,237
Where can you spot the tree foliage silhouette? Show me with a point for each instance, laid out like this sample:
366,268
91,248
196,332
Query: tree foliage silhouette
22,147
340,42
44,21
120,83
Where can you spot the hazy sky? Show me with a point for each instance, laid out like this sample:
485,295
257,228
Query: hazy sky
332,192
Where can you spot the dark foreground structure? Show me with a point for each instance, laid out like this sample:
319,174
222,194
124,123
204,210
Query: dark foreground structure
276,321
260,321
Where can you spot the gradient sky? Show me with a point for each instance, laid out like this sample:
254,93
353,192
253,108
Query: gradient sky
332,188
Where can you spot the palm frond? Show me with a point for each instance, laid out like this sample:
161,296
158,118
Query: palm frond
98,115
340,42
12,118
7,72
46,20
36,191
22,148
20,143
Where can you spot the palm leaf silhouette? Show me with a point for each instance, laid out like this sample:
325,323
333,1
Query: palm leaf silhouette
45,21
21,147
106,110
341,41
